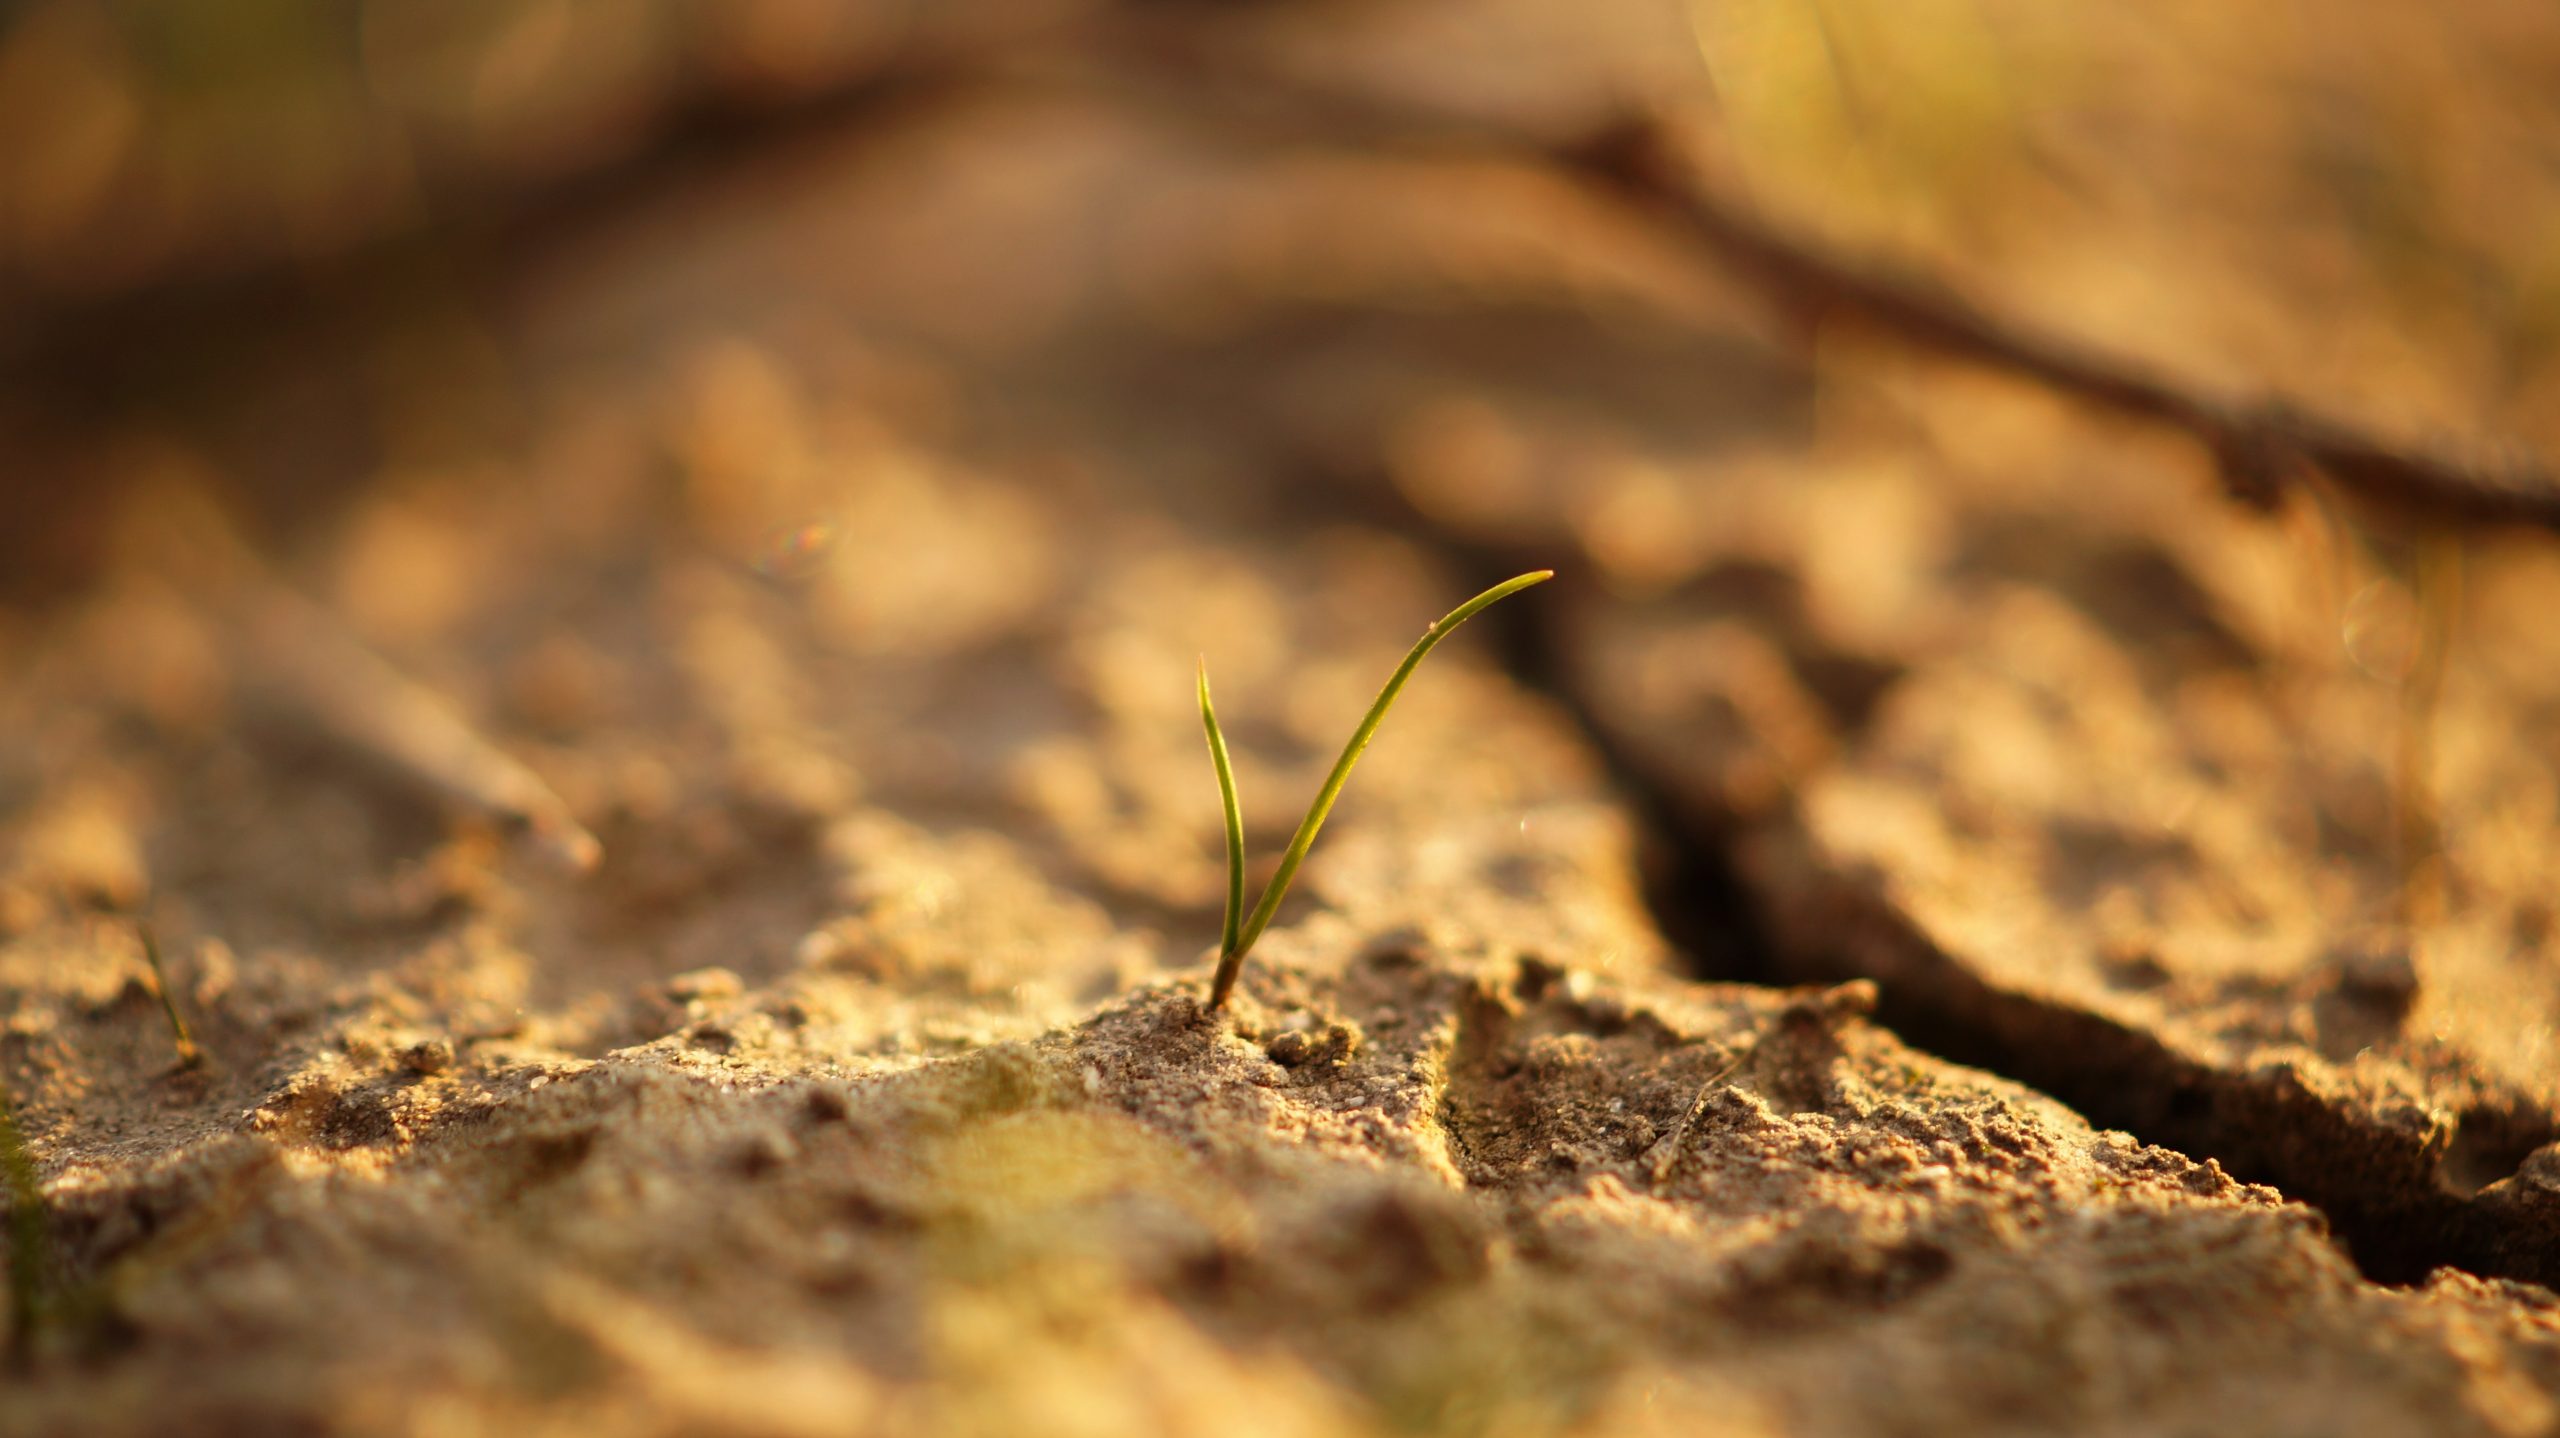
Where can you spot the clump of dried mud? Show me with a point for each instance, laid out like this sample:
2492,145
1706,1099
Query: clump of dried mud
1404,1186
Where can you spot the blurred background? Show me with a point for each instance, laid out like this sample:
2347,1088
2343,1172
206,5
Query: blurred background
845,381
841,379
2353,205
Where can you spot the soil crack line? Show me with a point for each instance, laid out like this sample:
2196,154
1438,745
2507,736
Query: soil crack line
2386,1208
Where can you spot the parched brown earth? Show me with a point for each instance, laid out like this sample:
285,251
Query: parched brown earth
2094,823
1403,1187
666,777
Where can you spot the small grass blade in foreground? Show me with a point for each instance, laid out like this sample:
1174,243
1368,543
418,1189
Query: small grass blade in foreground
1239,936
24,1198
1235,815
188,1054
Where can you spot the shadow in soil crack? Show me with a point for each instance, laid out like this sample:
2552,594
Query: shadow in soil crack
1693,889
2400,1206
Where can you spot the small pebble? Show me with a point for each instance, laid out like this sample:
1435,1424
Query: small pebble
825,1105
710,983
764,1151
2377,973
427,1056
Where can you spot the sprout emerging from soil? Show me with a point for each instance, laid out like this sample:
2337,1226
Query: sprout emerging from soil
1241,930
188,1054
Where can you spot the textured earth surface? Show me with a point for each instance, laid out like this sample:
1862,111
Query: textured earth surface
658,752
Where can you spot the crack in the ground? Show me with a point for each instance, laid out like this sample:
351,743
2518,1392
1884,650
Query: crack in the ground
1695,893
2379,1187
2383,1194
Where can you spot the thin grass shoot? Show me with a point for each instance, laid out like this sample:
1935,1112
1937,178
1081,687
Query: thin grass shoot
1239,931
188,1054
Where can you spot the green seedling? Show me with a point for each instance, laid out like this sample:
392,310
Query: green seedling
27,1232
188,1054
1240,930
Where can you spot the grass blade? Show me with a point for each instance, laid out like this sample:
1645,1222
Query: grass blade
1231,957
27,1232
188,1054
1228,954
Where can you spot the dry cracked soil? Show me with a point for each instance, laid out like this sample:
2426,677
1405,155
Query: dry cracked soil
659,756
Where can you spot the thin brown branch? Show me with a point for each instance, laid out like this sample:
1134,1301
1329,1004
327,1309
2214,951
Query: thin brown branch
2262,445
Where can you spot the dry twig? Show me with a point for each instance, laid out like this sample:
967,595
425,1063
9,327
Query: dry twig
2262,445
